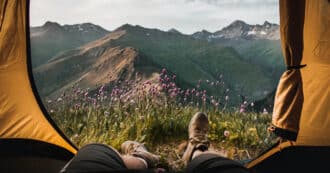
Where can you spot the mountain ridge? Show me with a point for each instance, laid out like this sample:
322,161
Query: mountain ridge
239,30
158,49
51,38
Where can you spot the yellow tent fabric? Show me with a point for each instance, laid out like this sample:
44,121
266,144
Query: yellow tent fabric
302,102
301,112
315,116
20,114
289,94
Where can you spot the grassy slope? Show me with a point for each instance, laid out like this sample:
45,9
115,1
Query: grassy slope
193,59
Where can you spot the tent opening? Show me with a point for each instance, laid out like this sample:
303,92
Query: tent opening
107,76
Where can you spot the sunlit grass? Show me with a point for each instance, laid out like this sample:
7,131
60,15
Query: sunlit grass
158,114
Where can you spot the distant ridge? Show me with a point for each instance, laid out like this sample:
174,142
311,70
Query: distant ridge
239,30
49,39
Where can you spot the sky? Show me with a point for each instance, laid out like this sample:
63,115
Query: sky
187,16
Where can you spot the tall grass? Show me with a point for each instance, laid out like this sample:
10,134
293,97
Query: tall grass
157,113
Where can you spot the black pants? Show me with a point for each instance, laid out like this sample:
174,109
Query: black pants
99,158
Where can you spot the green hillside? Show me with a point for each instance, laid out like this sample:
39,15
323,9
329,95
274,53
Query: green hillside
190,59
193,59
264,53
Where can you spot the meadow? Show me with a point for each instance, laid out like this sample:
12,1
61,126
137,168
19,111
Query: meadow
157,113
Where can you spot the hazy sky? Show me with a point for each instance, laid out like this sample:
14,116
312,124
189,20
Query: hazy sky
187,16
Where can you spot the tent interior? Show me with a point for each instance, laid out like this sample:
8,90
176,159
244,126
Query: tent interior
31,142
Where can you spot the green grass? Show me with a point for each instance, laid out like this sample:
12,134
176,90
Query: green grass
158,120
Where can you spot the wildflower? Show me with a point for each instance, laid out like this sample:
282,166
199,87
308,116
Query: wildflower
51,111
173,94
226,133
252,104
164,71
241,110
167,78
174,77
265,111
75,136
101,89
213,101
49,101
59,99
173,85
77,106
187,92
147,82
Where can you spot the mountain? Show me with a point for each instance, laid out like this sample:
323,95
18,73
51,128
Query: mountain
52,38
173,30
256,44
133,49
239,30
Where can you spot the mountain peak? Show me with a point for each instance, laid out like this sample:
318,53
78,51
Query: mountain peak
49,24
267,23
125,27
238,30
173,30
237,23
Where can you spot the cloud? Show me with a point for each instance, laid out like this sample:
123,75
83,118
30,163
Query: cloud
188,16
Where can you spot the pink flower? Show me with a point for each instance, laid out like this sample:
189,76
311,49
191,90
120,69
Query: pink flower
174,77
241,110
164,71
226,133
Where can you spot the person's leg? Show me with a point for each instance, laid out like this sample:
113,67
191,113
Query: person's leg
213,162
95,158
198,158
102,158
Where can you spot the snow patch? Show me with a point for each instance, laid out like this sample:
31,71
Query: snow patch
263,33
251,33
80,28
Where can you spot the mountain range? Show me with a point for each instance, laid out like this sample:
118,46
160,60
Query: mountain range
247,56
